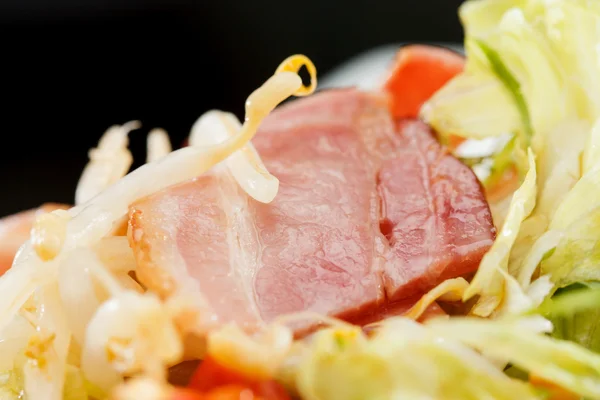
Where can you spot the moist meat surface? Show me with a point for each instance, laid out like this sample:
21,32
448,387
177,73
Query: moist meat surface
369,212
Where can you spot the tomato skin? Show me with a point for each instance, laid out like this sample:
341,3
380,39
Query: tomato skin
227,392
213,379
211,374
418,72
186,394
232,392
555,392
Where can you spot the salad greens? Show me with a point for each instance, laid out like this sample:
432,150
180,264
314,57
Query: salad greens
575,314
401,360
488,282
404,359
543,57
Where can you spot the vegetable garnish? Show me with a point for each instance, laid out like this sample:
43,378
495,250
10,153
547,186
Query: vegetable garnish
211,375
420,71
537,57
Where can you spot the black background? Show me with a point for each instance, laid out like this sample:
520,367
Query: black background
72,68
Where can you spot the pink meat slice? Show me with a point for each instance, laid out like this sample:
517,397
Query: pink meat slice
369,213
435,219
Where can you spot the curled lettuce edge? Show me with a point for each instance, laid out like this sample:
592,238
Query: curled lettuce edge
512,85
488,282
404,359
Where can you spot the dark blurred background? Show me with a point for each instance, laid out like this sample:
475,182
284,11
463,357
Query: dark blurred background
72,68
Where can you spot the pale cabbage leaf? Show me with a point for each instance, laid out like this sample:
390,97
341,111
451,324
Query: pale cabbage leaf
489,282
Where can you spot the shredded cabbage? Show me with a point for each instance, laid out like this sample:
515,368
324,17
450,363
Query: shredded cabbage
543,57
488,282
402,359
591,153
576,257
575,315
460,108
564,363
410,363
449,290
443,359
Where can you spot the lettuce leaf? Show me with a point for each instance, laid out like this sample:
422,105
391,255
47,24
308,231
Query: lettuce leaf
525,53
572,29
576,258
480,17
559,164
575,314
488,282
461,108
582,198
561,362
503,47
544,56
443,359
500,163
401,360
591,154
513,86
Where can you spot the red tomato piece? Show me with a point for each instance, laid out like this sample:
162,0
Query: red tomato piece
418,73
211,375
187,394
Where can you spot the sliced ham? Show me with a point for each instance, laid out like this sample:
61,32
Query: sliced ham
370,213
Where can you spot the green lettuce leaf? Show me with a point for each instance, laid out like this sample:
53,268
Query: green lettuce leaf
575,315
480,17
443,359
572,29
576,258
561,362
543,57
503,46
462,108
489,283
402,360
591,154
583,197
513,87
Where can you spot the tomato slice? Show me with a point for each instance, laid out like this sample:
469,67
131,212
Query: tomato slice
555,392
211,376
232,392
187,394
419,72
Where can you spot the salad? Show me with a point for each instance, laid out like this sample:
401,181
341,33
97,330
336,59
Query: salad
88,310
